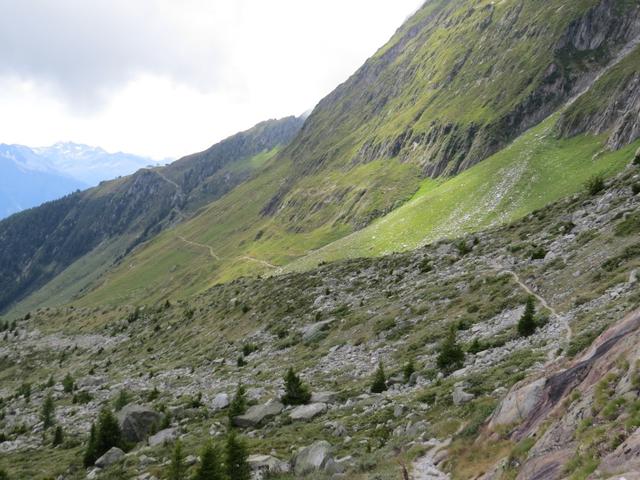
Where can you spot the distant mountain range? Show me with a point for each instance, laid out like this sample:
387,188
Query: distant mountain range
32,176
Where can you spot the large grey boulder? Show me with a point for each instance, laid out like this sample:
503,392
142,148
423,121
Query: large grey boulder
518,404
114,455
318,456
259,413
307,412
167,435
137,422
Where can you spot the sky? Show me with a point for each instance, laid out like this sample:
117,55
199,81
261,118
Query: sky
165,78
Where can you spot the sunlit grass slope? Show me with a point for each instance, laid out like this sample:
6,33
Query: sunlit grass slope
537,169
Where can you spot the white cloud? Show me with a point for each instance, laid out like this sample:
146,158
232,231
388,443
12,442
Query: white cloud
168,77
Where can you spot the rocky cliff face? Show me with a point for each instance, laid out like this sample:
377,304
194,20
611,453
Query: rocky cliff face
457,83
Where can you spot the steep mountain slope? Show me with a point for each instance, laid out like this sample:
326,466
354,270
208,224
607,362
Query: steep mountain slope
579,258
91,165
455,85
27,181
110,220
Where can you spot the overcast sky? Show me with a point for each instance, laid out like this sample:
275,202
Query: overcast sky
165,78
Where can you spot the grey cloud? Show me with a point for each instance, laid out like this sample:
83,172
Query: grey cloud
86,48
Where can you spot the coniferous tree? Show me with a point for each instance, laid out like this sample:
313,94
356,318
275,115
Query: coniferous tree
122,400
297,392
210,464
379,384
90,455
177,467
108,432
238,405
527,323
236,457
3,474
48,411
58,436
67,383
451,355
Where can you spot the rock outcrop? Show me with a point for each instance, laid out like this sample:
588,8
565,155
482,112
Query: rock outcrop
137,422
257,414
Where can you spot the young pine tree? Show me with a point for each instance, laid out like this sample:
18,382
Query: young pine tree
47,415
527,323
67,383
58,436
90,455
122,400
108,433
379,384
238,405
236,457
210,464
451,355
177,467
297,392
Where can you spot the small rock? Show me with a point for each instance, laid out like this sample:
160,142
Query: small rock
114,455
324,397
307,412
167,435
220,402
460,396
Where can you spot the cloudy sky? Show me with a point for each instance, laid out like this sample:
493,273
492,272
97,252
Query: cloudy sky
165,78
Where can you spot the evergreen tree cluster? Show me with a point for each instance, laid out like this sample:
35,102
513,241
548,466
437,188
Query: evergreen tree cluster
228,463
103,437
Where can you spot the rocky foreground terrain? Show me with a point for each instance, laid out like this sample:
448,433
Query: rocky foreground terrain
561,403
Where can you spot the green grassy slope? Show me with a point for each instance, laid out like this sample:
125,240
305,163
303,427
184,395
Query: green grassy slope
537,169
231,238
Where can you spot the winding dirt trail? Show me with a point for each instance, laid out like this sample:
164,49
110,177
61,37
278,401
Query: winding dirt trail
262,262
424,468
562,319
201,245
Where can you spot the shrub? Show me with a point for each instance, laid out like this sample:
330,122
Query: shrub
408,370
238,404
249,348
450,354
635,188
538,253
595,185
527,323
24,390
379,383
297,392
